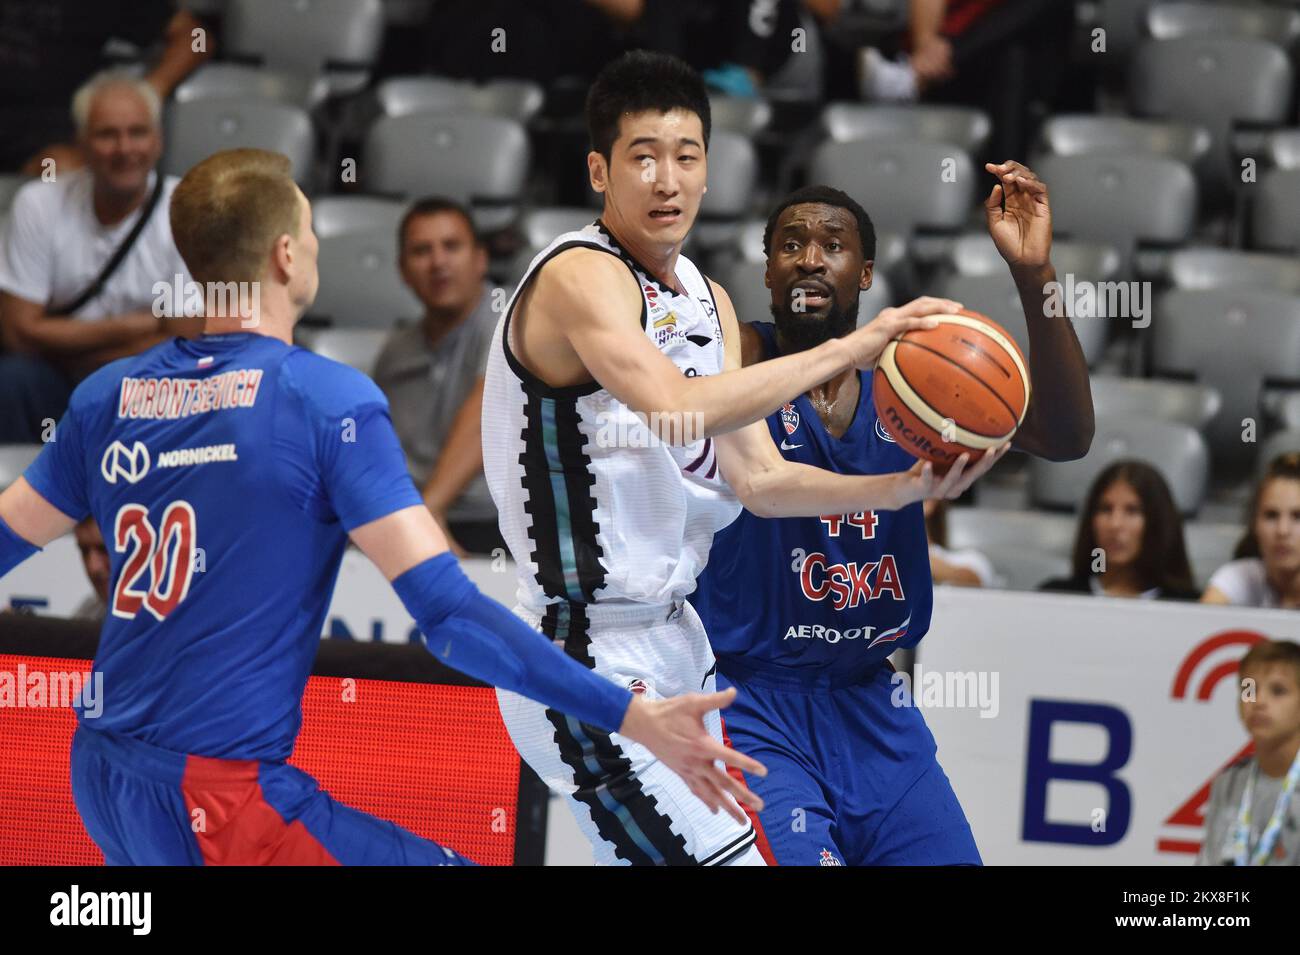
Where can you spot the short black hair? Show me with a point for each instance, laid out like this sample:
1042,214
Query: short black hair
432,205
830,197
637,81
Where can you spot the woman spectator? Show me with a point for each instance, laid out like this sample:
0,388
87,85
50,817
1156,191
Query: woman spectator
962,568
1130,539
1265,571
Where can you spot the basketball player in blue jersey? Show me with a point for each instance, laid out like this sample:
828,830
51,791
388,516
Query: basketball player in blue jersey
802,612
266,459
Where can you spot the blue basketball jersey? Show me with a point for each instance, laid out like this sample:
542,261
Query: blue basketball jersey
225,474
820,597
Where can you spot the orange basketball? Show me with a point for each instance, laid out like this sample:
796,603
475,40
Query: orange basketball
960,387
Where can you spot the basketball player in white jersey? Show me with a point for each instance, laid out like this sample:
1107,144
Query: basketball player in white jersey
619,433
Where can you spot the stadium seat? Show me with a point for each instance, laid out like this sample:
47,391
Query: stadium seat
482,160
743,282
538,228
1282,148
1176,450
359,281
339,39
1210,267
975,253
1121,200
356,347
1183,402
995,295
985,527
1215,82
196,129
1283,442
1086,134
1209,547
739,114
1275,211
1024,568
1236,341
1167,21
515,99
731,194
14,459
1123,22
964,126
336,215
904,186
241,81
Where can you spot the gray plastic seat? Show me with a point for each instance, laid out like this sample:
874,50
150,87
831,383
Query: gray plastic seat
1236,341
745,115
1209,547
995,295
242,81
731,193
1216,82
1281,442
1086,134
355,347
964,126
482,160
974,253
538,228
1184,402
1210,267
197,129
743,282
14,459
515,99
1275,219
986,527
1124,22
1165,21
1282,148
1176,450
899,183
336,215
339,39
1121,200
359,281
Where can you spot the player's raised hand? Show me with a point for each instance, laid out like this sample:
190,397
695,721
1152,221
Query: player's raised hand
870,340
920,482
1019,216
673,729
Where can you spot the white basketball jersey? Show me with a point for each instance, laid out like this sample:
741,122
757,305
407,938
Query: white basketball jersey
595,509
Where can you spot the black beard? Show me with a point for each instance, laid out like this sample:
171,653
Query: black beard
799,331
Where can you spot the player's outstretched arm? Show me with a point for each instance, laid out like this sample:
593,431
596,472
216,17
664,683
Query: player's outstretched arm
588,301
476,635
1059,424
27,523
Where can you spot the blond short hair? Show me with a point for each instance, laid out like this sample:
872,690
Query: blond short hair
229,210
84,99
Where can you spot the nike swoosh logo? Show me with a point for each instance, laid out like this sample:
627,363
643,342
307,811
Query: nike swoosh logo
789,447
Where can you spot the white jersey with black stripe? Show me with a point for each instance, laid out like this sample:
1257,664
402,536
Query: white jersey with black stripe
593,508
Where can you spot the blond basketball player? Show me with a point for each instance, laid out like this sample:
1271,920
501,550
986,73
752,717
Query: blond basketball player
619,434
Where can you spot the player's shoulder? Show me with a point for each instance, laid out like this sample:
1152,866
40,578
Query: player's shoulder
584,278
106,382
327,386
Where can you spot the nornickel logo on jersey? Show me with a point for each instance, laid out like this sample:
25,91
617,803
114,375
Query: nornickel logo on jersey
790,418
828,858
129,465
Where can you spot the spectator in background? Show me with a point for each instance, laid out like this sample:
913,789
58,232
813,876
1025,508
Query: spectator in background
1252,817
57,323
1006,57
432,372
48,48
1130,539
961,568
1265,571
94,557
